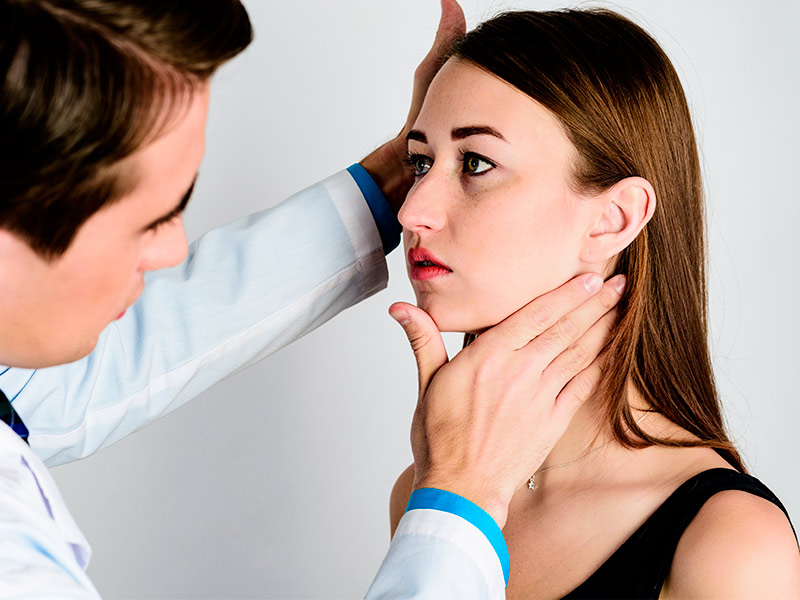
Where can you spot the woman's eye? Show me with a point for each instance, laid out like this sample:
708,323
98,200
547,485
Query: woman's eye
420,163
475,165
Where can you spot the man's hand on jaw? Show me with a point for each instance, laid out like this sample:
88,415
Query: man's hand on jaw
487,419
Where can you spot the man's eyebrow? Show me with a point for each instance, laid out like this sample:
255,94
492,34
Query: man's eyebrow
177,210
459,133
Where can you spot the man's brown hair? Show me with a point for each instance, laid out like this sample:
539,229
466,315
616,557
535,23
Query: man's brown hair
85,84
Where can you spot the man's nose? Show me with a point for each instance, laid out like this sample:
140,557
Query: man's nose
168,247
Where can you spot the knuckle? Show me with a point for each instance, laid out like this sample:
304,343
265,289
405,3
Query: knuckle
572,362
540,317
584,386
548,345
575,360
608,298
566,329
580,355
417,343
486,371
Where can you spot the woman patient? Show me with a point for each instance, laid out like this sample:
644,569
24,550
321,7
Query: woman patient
552,144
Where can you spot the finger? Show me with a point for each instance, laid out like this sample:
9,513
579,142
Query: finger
517,330
452,25
574,360
579,389
569,328
425,340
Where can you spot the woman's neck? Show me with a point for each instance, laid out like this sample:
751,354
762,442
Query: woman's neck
590,430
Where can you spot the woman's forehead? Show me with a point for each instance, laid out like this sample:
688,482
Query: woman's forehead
463,94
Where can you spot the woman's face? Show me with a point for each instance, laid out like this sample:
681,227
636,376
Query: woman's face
491,221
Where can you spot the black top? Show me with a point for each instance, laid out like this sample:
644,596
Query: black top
638,568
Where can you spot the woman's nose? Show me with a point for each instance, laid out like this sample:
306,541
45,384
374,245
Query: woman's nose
423,209
167,248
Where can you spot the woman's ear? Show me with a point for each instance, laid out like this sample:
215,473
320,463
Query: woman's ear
622,211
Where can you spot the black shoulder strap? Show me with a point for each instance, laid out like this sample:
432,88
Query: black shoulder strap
640,566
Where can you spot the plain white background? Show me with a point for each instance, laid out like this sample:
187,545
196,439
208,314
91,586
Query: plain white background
275,483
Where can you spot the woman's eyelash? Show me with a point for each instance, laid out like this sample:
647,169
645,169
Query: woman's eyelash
413,161
464,156
410,157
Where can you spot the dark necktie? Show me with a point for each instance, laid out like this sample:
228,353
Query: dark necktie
11,418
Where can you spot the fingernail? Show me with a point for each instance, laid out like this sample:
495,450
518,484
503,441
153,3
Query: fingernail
620,283
401,317
593,282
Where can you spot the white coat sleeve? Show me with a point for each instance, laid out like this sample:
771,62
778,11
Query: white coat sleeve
444,547
245,290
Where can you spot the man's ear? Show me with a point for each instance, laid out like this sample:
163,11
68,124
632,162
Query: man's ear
622,211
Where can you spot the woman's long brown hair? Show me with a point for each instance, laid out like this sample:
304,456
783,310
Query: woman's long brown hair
623,107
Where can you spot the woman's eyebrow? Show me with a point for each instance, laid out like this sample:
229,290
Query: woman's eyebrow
416,134
459,133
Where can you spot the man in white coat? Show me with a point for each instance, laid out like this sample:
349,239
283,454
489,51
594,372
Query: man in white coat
111,321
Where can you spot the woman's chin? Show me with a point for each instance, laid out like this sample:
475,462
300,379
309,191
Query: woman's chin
456,315
449,322
468,317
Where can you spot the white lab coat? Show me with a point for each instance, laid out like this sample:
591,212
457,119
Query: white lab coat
246,290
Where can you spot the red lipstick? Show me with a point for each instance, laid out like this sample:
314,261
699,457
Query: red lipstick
423,265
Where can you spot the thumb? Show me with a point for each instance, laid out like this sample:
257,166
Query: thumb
452,24
425,340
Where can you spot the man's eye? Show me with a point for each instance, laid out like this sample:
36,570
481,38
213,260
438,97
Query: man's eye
475,164
420,163
161,222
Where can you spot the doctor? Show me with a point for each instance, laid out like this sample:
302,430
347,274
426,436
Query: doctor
102,114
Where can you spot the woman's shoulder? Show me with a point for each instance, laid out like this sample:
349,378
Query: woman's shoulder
399,497
739,544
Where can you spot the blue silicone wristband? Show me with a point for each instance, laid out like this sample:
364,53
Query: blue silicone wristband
445,501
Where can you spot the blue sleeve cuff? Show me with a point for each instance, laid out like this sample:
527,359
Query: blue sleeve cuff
387,223
453,503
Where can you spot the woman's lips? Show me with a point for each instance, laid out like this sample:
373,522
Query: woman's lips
423,265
